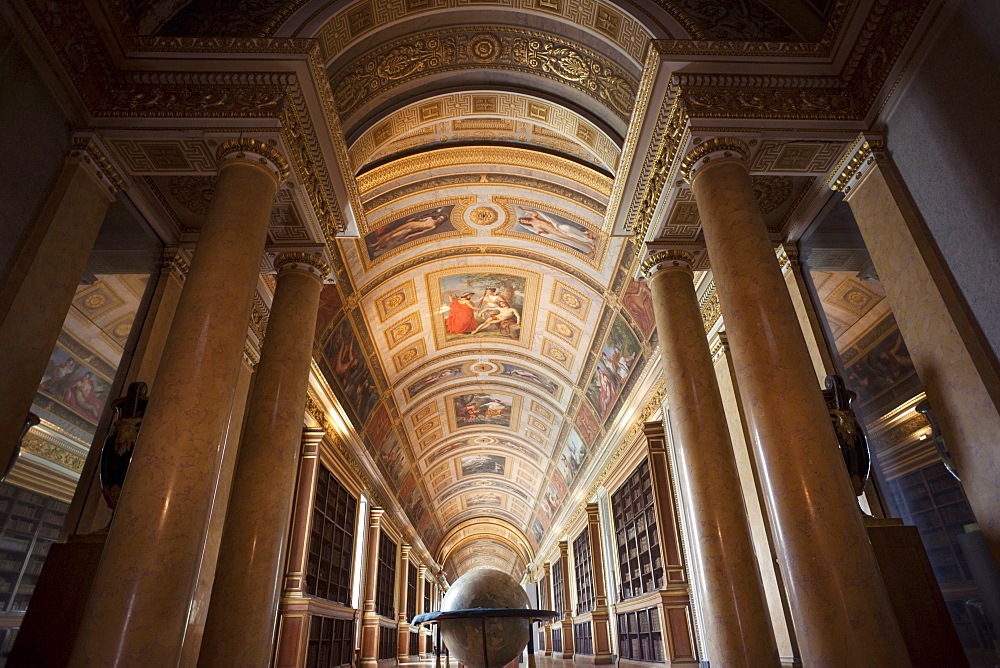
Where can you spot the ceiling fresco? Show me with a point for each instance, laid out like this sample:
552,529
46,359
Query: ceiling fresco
485,332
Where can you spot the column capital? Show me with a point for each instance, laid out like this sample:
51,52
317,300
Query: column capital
176,260
593,510
86,148
422,571
870,149
547,568
563,548
375,517
404,550
255,150
312,263
668,259
730,148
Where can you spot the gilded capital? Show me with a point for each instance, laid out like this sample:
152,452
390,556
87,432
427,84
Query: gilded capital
870,151
375,517
312,435
255,149
713,149
312,263
665,260
86,148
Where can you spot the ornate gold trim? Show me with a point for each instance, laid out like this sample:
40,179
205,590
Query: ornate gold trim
313,263
728,146
238,147
871,150
657,261
91,153
507,156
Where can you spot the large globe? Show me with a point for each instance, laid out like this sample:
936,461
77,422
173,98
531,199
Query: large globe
505,636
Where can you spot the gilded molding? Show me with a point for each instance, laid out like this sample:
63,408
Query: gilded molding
34,444
474,156
87,149
308,174
311,262
479,47
729,147
267,155
869,153
258,317
657,261
711,310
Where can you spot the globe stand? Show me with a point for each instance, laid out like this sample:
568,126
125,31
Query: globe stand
533,615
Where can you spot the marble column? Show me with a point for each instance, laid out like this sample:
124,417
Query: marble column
842,612
402,625
953,364
422,638
600,616
241,616
550,601
729,596
139,606
678,615
369,618
567,621
293,627
42,281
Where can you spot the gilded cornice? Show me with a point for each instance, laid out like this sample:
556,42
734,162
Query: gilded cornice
870,151
456,157
844,97
484,47
710,308
87,149
310,175
34,444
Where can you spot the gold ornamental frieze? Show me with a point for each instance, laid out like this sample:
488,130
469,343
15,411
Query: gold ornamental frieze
477,156
478,47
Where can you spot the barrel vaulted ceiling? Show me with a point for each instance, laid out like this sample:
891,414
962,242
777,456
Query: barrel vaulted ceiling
482,175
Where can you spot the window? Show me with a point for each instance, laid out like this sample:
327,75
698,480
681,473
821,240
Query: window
388,641
331,545
385,579
584,573
640,563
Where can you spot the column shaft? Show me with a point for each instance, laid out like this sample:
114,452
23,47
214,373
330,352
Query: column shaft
402,627
141,599
240,625
40,287
422,637
842,612
369,618
567,622
730,597
601,624
550,601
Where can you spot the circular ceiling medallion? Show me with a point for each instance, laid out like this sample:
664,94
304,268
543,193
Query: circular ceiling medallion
483,367
484,215
484,440
570,300
484,48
